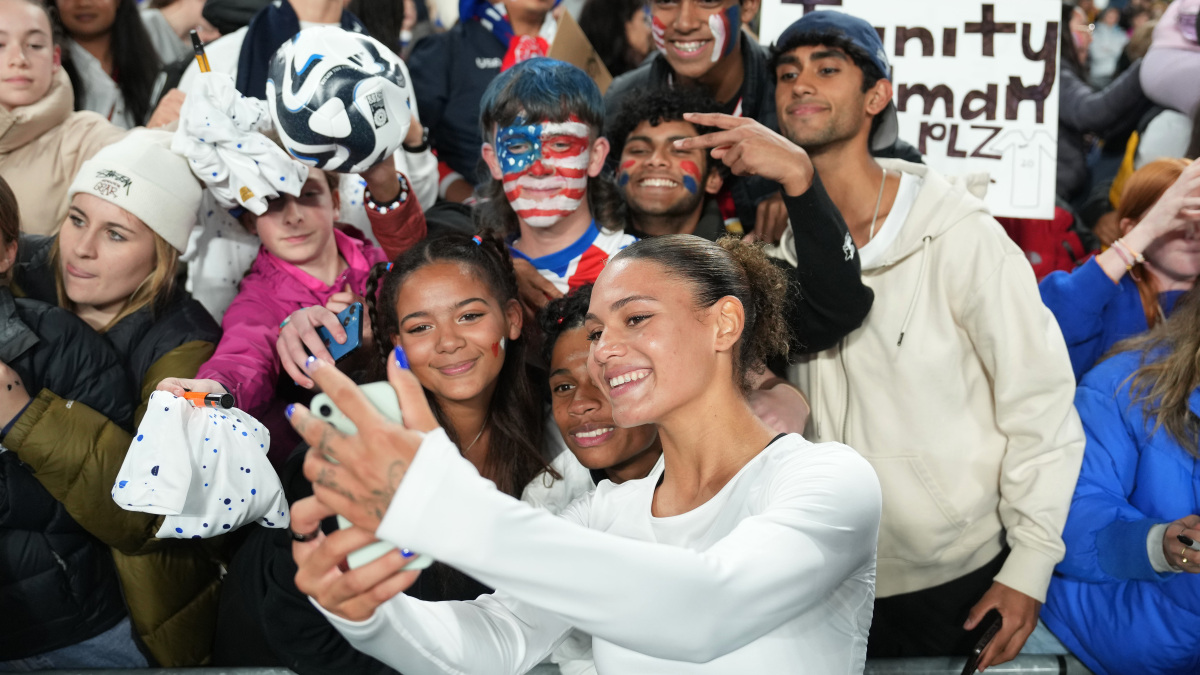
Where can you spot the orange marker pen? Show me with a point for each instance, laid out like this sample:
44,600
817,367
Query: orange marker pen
203,400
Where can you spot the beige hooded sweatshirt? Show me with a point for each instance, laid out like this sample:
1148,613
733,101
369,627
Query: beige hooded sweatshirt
42,147
958,389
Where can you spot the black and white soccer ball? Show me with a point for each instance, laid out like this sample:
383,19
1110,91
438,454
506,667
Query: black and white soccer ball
340,101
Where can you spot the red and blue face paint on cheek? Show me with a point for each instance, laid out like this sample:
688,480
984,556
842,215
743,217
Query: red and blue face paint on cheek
725,26
544,167
623,176
691,175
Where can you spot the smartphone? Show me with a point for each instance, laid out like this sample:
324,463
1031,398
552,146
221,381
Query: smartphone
992,620
351,320
383,397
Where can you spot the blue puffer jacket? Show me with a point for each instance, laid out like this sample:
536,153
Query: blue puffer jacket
1094,313
1106,602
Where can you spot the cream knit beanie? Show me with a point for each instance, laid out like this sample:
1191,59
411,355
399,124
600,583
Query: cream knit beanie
140,174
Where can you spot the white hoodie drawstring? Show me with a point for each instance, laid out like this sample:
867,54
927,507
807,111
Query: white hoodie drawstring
912,305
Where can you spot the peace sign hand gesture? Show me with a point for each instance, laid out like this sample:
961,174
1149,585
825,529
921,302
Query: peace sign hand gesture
750,149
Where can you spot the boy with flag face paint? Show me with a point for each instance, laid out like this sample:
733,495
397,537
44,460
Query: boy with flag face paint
541,120
545,156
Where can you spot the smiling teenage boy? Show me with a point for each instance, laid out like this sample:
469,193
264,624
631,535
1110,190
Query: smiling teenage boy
541,120
667,190
957,387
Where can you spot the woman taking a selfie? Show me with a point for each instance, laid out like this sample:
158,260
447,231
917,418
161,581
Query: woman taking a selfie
735,520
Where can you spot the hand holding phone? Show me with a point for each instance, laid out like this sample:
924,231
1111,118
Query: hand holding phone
993,621
383,397
351,319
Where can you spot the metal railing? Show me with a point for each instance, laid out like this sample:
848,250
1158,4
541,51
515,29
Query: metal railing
1024,664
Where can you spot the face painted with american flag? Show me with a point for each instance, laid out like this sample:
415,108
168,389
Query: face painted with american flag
545,167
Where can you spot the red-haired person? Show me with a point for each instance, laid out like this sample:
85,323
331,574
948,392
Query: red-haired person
1134,285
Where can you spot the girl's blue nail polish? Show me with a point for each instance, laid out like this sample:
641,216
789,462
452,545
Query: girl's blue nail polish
308,363
289,410
401,357
406,553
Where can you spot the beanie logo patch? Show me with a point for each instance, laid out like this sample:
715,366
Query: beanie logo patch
111,183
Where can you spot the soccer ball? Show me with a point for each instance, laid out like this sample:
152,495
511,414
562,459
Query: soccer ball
340,101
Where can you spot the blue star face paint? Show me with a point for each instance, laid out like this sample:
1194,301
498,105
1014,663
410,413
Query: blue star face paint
544,167
518,146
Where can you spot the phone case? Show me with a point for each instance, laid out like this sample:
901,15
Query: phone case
383,397
992,620
351,320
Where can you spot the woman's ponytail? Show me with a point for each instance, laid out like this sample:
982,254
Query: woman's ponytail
767,336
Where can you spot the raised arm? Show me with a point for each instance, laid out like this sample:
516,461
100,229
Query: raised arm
828,298
396,217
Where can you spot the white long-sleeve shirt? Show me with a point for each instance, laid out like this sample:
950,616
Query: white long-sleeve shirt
773,574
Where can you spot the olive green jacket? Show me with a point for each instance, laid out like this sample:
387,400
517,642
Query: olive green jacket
171,586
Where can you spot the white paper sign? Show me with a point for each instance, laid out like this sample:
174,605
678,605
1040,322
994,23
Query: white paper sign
976,86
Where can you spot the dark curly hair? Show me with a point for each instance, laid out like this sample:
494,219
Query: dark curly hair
514,455
561,315
729,267
665,104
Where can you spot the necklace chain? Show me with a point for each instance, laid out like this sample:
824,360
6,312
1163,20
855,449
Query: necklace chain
878,203
477,437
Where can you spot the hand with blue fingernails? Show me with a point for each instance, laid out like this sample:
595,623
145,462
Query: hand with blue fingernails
358,484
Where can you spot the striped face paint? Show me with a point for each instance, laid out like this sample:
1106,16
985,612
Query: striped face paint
658,30
725,26
545,168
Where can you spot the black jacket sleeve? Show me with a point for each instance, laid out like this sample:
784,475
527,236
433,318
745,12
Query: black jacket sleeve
827,299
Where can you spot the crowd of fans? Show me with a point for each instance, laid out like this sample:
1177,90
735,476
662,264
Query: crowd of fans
709,372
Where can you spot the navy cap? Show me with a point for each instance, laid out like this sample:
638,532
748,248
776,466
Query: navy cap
862,35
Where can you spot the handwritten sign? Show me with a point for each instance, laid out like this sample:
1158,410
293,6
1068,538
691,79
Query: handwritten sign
976,86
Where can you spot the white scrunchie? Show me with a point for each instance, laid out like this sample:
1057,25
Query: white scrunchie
220,134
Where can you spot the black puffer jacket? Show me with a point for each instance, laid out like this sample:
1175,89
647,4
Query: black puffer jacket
170,585
58,585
